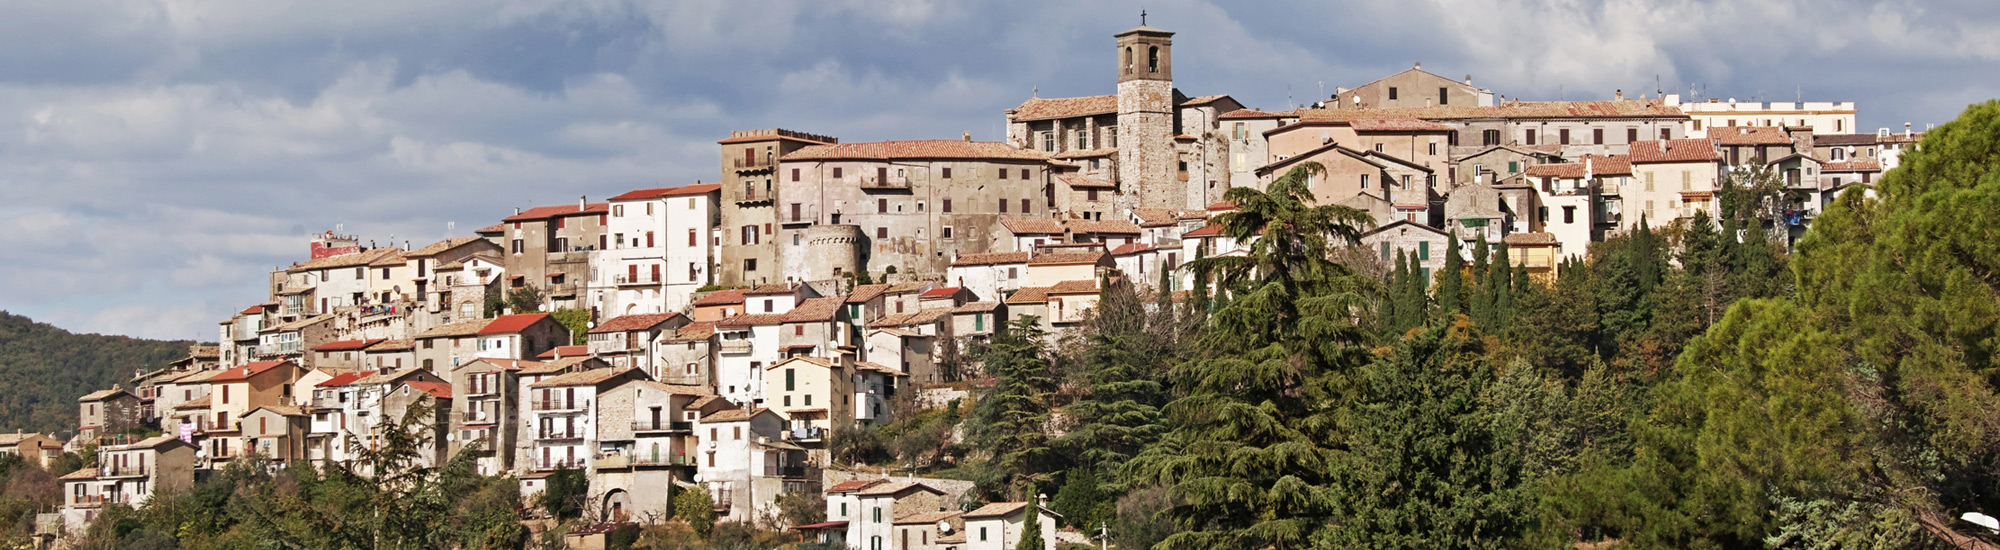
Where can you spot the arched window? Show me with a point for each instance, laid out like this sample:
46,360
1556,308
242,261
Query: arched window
1153,59
1127,64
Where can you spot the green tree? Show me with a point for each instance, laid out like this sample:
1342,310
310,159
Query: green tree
1011,419
1031,527
696,508
577,321
1080,501
1117,413
1451,281
526,299
565,493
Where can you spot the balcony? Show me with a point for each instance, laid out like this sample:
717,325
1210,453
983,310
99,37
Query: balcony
558,437
668,426
754,163
735,347
124,471
575,464
571,257
663,460
785,471
647,280
900,183
806,433
1608,189
750,194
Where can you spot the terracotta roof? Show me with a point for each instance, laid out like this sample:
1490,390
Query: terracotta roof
564,351
100,395
1029,295
301,323
344,378
364,257
504,364
1511,110
1064,107
918,317
773,289
1529,239
1032,226
815,310
287,410
1396,125
81,473
589,377
558,365
1074,287
1080,182
677,389
1154,217
641,321
684,190
915,149
863,293
1613,165
925,518
821,525
1246,113
1058,258
441,246
732,415
346,345
1830,140
940,292
694,331
495,228
997,509
384,346
1749,135
898,332
246,371
252,310
895,487
1567,170
1203,100
509,324
1852,166
1210,230
752,319
440,390
976,307
821,362
1674,150
1121,227
853,485
1086,153
461,328
1222,205
991,258
721,298
394,258
547,212
1132,248
16,439
192,404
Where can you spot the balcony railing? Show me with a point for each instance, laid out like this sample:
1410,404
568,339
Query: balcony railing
784,471
734,347
891,182
570,257
662,426
752,163
807,433
125,471
623,280
663,460
557,437
558,463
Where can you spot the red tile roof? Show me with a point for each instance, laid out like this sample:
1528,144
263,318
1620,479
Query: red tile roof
940,292
1133,248
773,289
1032,226
507,364
547,212
1529,239
252,310
690,189
441,246
245,372
1029,295
462,328
590,377
1064,107
863,293
564,352
1246,113
991,258
721,298
694,331
509,324
1674,150
1222,205
1510,110
1086,153
816,310
1059,258
1080,182
1210,230
1852,166
744,320
643,321
976,307
439,390
997,509
364,257
1829,140
1396,125
1119,227
1074,287
915,149
495,228
346,345
392,345
344,378
1749,135
774,134
853,485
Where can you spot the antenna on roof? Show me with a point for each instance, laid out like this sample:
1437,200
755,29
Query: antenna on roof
1036,92
1657,89
450,226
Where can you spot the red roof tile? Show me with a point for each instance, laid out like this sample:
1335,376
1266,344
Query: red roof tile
564,352
1852,166
1510,110
643,321
991,258
1210,230
1080,182
1029,295
495,228
1222,205
721,298
976,307
1074,287
1118,227
1396,125
863,293
1529,239
853,485
245,372
1749,135
690,189
1032,226
774,134
508,324
1057,258
940,292
745,320
344,378
462,328
815,310
439,390
547,212
915,149
1132,248
1674,150
252,310
346,345
1064,107
1246,113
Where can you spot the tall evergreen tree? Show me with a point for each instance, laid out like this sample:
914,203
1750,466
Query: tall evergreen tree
1118,411
1451,281
1481,293
1012,417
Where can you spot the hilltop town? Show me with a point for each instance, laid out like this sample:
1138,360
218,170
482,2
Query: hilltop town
717,335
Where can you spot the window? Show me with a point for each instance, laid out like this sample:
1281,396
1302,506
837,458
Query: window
1385,251
881,232
618,210
1444,95
1569,214
947,231
982,530
1649,185
649,239
878,514
881,206
1513,166
1563,136
1091,195
1024,173
836,172
1242,130
1082,140
843,509
737,432
750,264
1024,206
1378,149
1423,251
1392,93
947,205
1003,204
1839,154
1434,148
1631,135
1489,137
1687,180
1666,133
1111,136
1364,181
1530,138
1048,145
795,174
796,209
1597,136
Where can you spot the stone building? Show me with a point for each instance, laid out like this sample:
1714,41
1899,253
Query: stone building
910,206
745,244
549,248
1411,88
107,412
1671,180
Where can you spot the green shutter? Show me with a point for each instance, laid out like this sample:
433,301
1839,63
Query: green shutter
790,379
1423,251
1385,251
1513,166
978,321
809,400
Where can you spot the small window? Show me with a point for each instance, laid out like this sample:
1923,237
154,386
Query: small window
1444,95
945,172
1392,93
836,172
881,232
947,206
795,174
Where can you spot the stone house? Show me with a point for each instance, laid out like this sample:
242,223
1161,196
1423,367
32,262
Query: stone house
813,393
33,448
389,355
976,322
235,391
1428,245
998,526
107,412
687,356
443,347
486,412
1348,172
817,327
1489,163
1412,87
988,276
549,248
750,199
563,413
128,475
291,340
660,249
635,340
745,344
277,433
340,355
1248,150
1672,179
745,464
879,507
521,336
718,305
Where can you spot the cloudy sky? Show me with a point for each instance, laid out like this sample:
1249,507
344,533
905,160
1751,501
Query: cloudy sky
158,158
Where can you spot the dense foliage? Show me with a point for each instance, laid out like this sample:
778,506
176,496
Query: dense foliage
45,369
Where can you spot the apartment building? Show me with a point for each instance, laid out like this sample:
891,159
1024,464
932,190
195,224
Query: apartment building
1671,180
549,248
746,240
661,249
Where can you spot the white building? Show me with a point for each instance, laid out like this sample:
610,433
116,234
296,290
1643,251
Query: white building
1824,117
998,526
562,415
660,251
745,463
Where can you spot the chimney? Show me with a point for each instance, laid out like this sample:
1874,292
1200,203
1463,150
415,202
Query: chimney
1587,168
1906,129
517,210
1042,499
581,204
1620,95
1420,65
1468,80
968,137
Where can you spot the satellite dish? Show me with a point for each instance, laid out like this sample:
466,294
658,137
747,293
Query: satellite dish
944,526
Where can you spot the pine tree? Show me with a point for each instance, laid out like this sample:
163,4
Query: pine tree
1451,281
1500,279
1393,315
1012,417
1118,411
1481,293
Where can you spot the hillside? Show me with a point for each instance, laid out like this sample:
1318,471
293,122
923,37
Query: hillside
44,369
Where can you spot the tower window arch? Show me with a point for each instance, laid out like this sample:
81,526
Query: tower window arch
1128,60
1153,59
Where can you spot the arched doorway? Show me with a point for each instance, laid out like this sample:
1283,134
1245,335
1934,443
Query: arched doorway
616,505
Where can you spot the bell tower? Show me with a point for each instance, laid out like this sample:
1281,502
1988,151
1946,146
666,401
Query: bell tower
1147,163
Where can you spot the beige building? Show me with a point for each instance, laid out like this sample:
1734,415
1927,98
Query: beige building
1411,88
549,248
107,412
746,241
1829,117
1670,180
910,206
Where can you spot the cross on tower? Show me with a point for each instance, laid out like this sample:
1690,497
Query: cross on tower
1142,17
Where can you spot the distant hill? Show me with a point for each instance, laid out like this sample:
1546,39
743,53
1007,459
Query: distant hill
44,369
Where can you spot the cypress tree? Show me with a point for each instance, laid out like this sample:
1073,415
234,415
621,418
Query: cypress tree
1482,292
1501,278
1451,283
1394,313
